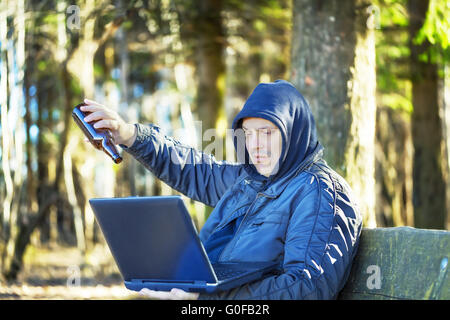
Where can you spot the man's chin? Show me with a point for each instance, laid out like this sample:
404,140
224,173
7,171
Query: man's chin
263,170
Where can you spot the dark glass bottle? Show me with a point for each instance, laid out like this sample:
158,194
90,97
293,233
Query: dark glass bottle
101,139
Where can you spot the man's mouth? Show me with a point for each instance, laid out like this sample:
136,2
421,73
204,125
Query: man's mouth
260,157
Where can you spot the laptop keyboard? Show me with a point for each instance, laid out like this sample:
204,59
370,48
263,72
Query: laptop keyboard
223,273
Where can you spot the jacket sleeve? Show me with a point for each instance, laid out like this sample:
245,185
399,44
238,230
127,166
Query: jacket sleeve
321,242
193,173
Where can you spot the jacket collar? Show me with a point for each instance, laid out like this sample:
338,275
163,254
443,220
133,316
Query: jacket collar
277,186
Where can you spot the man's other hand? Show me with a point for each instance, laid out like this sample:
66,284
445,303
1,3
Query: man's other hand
174,294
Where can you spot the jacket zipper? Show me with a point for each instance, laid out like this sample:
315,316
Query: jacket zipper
221,225
240,225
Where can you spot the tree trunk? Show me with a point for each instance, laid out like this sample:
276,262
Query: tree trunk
124,105
68,178
429,193
210,71
333,66
6,138
445,94
394,159
30,185
210,63
23,238
16,58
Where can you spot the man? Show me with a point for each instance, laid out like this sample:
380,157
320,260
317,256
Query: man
280,202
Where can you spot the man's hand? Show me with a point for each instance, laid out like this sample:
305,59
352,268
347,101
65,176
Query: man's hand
174,294
122,132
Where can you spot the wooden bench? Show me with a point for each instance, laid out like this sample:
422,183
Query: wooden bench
400,263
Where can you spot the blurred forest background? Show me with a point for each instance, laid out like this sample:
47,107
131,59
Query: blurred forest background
376,75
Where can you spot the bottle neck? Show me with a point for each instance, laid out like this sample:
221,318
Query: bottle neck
111,150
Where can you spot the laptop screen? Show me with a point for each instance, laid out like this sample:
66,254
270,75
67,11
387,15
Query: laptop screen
152,238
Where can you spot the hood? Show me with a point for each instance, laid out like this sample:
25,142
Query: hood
281,103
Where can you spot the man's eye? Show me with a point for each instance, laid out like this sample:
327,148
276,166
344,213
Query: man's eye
264,132
260,133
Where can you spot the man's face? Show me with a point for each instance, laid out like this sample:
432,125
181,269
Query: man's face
264,144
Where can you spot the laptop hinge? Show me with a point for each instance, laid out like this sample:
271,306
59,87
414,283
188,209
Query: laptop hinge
195,282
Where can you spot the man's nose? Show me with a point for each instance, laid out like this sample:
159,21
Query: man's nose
254,141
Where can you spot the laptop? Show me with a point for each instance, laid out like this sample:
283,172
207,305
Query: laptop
155,245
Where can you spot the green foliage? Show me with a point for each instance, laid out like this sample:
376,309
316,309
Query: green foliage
42,65
393,12
397,101
436,31
98,70
436,28
75,88
392,56
259,33
393,53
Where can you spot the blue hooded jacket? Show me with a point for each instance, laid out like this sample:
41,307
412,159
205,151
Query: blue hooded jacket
303,216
